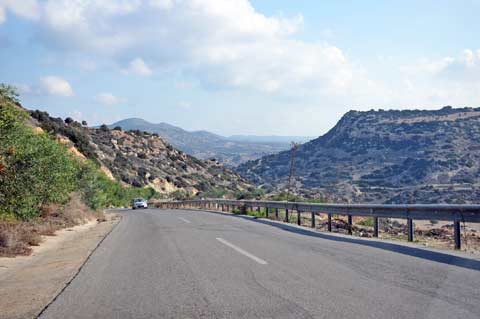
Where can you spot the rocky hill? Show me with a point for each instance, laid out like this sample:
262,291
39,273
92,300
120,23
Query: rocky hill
141,159
230,151
385,156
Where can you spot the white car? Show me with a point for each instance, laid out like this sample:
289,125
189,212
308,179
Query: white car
139,203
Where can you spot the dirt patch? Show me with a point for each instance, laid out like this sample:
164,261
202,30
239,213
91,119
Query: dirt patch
29,283
18,237
435,234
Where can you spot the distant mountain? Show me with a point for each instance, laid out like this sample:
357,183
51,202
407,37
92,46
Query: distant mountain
143,159
206,145
385,156
271,139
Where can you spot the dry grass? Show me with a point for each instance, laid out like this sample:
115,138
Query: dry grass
17,237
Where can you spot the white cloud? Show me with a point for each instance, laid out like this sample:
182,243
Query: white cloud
443,81
109,99
28,9
2,15
139,67
26,89
55,85
219,43
228,44
162,4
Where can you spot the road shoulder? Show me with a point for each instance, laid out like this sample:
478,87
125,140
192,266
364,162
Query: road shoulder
28,284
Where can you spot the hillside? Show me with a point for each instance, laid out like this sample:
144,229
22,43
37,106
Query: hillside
385,156
271,139
140,159
230,151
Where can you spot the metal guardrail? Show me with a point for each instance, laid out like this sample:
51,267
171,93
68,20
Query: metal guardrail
453,213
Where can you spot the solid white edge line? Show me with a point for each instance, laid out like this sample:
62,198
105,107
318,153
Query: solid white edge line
243,252
184,220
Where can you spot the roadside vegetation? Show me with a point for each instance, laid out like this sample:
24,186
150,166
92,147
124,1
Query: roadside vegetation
40,177
215,192
285,196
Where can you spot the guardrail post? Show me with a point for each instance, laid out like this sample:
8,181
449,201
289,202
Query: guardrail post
457,234
350,224
299,218
375,226
329,224
410,229
286,215
313,220
266,212
276,213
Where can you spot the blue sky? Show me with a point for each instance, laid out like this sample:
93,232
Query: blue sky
236,66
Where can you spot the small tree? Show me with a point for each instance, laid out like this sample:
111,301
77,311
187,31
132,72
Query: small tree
9,92
68,120
84,123
104,127
117,128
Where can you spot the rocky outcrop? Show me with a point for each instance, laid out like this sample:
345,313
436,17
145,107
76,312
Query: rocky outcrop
142,159
385,156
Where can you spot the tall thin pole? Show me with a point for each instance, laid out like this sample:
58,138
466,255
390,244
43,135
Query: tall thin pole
291,177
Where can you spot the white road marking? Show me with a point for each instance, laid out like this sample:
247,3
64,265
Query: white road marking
243,252
184,220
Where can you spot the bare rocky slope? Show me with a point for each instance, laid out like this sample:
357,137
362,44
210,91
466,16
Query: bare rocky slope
385,156
140,159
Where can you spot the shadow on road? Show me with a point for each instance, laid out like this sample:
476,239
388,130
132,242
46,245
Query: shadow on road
397,248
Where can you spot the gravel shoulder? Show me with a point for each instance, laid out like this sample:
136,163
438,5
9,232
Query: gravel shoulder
28,284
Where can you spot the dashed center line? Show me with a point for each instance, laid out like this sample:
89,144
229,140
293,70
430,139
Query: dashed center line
184,220
243,252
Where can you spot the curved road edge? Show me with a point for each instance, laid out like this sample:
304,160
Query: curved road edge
29,285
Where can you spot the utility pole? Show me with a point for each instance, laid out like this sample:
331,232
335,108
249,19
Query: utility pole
291,177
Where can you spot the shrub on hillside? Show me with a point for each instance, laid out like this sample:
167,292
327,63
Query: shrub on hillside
37,171
74,132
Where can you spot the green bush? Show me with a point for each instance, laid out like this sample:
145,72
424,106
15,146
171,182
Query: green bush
367,222
180,195
251,194
100,191
36,170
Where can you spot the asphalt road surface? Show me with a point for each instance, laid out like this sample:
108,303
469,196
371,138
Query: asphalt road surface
192,264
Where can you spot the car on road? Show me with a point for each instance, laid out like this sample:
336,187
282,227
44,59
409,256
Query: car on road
139,203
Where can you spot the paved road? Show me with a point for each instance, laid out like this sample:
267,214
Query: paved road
188,264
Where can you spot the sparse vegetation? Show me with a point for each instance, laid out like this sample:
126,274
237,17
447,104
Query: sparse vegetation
8,93
16,236
383,157
367,222
38,176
